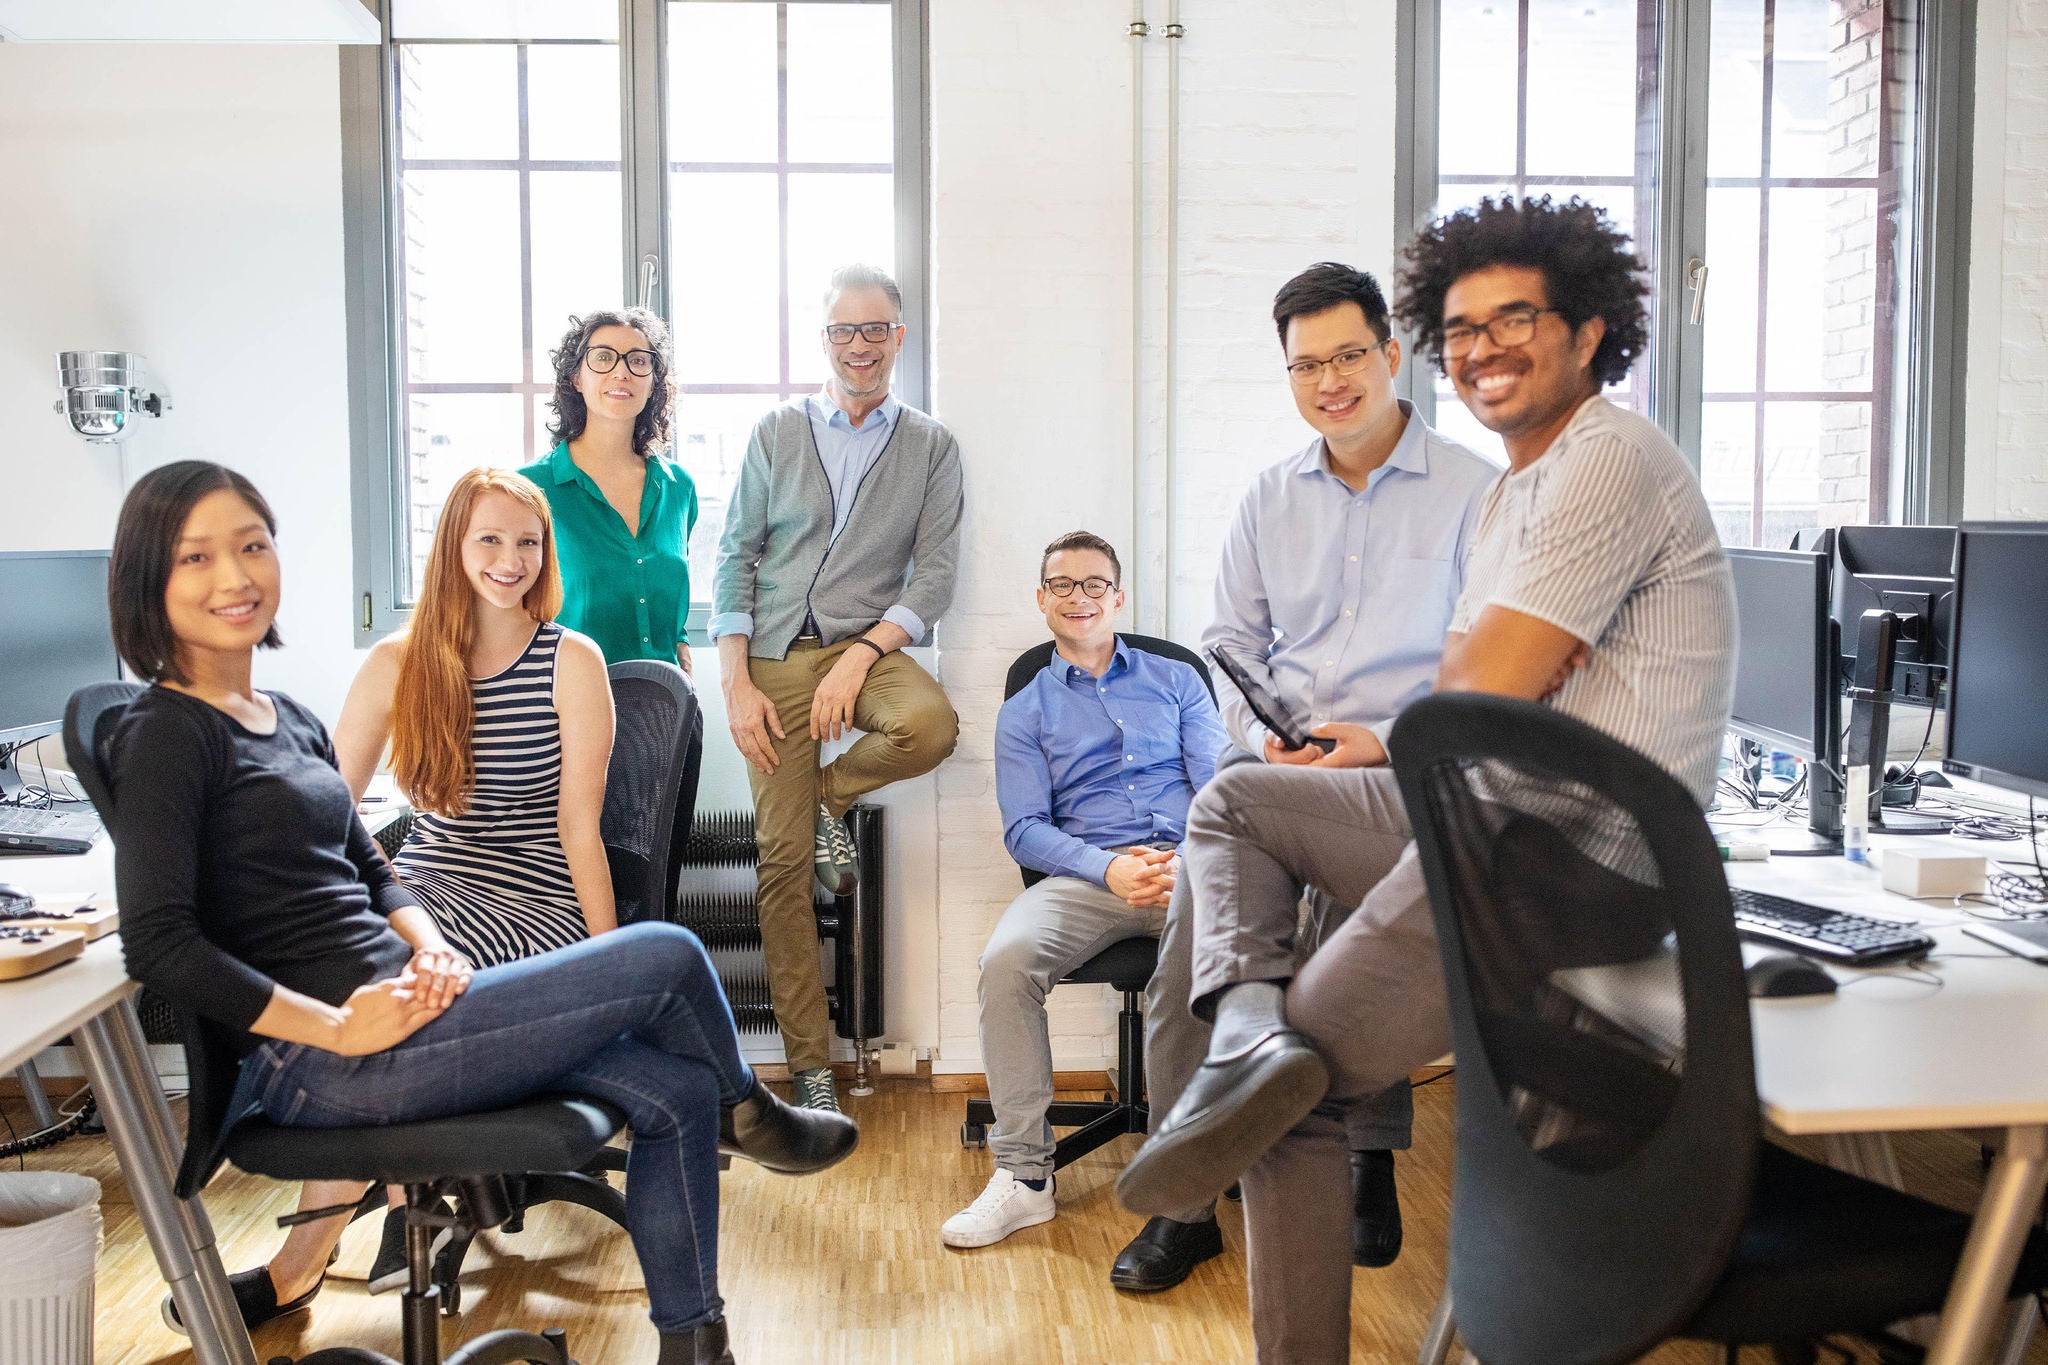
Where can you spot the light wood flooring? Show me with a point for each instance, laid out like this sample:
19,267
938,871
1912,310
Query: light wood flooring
848,1267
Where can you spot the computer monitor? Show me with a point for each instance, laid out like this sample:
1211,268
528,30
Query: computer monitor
1785,670
55,637
1998,657
1906,570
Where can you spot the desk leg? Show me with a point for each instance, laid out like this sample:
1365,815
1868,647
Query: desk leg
1976,1297
32,1093
139,1121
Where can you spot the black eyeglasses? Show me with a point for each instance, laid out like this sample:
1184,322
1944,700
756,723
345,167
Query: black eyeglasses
603,360
1512,328
1307,372
1064,587
842,332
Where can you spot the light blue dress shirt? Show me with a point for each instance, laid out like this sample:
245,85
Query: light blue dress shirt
1087,764
1337,601
847,453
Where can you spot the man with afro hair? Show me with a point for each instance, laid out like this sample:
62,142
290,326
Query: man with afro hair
1596,585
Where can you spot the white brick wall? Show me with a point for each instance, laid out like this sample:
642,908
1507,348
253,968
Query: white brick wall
1287,158
2006,473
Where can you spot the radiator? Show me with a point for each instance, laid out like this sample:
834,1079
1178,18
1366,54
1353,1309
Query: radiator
729,922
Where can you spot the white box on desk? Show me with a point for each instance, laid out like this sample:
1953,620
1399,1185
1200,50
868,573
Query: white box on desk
1933,872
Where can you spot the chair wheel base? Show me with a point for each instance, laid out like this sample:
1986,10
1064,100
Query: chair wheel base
973,1135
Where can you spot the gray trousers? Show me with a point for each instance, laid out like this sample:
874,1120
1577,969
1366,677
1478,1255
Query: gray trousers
1370,997
1048,931
1176,1040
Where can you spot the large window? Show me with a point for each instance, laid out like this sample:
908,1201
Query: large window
1782,166
512,162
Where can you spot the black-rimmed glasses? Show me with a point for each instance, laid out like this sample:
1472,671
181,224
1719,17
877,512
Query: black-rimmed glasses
1064,587
1307,372
603,360
842,332
1505,330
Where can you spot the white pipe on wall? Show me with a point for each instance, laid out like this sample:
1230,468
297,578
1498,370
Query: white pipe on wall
1173,33
1137,31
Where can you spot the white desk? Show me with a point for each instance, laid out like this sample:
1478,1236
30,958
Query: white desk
1896,1054
91,998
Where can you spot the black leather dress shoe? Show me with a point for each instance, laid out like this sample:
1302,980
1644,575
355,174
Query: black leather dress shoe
703,1344
767,1130
1375,1210
1164,1254
1234,1109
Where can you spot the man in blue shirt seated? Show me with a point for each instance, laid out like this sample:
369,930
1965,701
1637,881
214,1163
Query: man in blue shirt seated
1097,759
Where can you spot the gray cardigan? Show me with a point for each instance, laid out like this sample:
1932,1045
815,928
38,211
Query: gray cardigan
901,542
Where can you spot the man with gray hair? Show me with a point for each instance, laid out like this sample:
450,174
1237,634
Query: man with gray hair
840,548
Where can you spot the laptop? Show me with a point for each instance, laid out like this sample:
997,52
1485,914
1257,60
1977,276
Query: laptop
57,830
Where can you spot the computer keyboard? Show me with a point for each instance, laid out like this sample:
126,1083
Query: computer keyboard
1833,934
17,820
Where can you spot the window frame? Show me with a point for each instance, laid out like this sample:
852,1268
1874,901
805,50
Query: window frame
370,168
1923,468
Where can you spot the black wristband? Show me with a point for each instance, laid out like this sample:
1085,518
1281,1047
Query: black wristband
880,653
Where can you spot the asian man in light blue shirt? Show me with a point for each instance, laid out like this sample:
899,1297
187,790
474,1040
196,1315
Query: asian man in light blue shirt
1097,760
1337,580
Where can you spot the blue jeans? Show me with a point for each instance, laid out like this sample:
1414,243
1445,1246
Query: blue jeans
634,1017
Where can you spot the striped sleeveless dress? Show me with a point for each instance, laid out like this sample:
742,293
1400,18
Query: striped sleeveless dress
495,878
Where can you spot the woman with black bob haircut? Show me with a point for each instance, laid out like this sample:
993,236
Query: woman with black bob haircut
1587,268
251,895
623,513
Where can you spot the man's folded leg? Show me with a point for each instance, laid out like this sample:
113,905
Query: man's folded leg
1256,836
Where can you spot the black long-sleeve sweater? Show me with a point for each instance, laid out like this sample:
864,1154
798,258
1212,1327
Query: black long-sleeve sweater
240,864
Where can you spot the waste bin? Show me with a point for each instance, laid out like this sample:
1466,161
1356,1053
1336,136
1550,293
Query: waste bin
49,1242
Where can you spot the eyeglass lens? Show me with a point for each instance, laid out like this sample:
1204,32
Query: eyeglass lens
603,360
842,332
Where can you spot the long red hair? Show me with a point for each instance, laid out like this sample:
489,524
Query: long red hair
433,711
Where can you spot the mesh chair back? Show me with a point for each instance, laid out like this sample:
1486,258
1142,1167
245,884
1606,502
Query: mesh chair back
1607,1113
210,1062
650,789
1032,661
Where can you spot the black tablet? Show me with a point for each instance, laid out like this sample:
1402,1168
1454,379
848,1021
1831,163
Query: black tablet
1270,713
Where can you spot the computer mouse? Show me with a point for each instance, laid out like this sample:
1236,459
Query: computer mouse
10,892
1787,974
1930,777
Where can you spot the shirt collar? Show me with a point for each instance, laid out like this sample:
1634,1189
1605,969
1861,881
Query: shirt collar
562,468
1410,454
834,416
1065,671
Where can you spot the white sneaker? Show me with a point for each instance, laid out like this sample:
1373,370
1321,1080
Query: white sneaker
1005,1206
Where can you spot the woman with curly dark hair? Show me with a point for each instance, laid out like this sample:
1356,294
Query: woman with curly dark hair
623,513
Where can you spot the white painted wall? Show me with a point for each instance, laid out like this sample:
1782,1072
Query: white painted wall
185,202
2006,466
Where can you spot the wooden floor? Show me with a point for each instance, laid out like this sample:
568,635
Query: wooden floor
848,1267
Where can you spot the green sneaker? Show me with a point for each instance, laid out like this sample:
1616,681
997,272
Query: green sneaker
833,855
814,1090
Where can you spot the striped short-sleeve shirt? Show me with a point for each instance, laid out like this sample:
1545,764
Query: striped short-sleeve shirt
1606,535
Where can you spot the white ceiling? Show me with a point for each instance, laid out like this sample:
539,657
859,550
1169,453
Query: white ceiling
187,21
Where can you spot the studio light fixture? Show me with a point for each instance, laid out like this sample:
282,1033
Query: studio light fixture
103,389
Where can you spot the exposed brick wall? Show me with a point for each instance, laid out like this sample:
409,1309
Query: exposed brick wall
2019,443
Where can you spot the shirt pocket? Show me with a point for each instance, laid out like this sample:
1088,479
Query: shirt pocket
1422,593
1150,733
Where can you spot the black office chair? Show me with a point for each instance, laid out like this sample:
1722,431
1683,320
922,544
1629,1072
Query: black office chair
1126,966
468,1158
1613,1189
650,797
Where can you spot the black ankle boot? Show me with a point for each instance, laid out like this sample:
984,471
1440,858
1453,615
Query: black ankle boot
1375,1210
703,1344
765,1129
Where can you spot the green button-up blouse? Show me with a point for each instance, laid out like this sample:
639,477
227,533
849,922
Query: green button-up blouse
630,593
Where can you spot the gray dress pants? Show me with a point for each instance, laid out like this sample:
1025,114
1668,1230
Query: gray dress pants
1370,997
1055,926
1176,1040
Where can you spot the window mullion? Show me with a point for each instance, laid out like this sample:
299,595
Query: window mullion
643,80
1684,37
